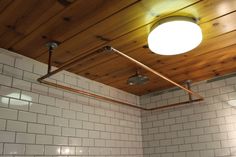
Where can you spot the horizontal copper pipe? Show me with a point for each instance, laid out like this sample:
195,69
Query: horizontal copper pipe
108,48
154,72
90,94
113,100
174,105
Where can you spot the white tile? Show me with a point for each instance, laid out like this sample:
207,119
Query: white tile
81,133
94,118
100,143
61,122
4,101
100,127
54,111
68,114
88,125
25,138
82,150
2,124
5,80
62,104
68,151
70,80
7,59
94,134
24,64
29,96
68,131
34,150
40,68
38,108
1,68
9,92
53,130
45,119
222,152
36,128
82,116
52,150
60,140
8,114
46,100
30,77
16,126
21,84
14,149
39,89
75,123
207,153
55,93
69,96
87,142
19,104
43,139
88,109
27,116
6,136
75,141
75,107
11,71
1,148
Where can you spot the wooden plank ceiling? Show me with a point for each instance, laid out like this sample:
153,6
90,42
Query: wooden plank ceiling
84,26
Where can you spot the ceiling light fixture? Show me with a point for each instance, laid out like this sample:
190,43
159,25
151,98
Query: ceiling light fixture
174,35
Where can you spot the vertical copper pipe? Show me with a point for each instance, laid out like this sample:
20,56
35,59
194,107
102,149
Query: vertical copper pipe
189,88
49,59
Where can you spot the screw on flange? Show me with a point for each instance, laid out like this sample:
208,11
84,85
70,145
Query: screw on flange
108,48
51,45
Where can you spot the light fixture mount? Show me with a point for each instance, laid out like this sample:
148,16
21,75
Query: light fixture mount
174,35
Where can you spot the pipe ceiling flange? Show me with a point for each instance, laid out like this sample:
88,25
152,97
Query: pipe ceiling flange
52,45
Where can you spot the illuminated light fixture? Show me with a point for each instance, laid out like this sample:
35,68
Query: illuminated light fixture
174,35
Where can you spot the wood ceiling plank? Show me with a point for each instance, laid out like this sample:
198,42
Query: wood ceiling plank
125,26
73,20
188,69
176,68
23,16
4,4
151,59
199,10
139,40
115,26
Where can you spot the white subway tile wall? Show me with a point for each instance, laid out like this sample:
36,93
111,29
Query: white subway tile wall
203,129
38,120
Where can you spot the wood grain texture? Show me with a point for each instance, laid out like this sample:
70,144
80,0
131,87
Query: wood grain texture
85,26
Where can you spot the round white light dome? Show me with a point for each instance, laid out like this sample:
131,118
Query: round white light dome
174,35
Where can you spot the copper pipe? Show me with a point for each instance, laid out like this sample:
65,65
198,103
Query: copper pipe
174,105
49,59
108,48
69,64
90,94
154,72
189,88
113,100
